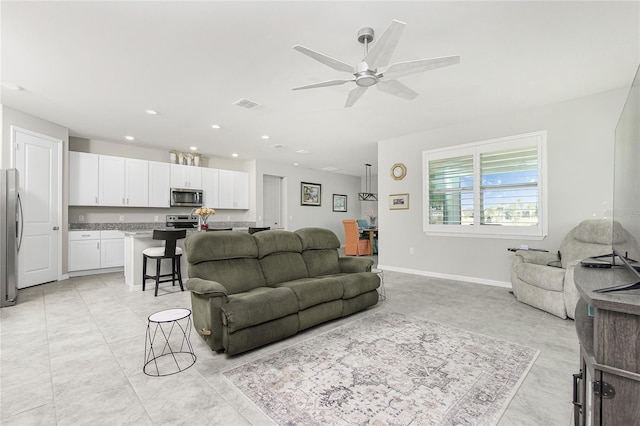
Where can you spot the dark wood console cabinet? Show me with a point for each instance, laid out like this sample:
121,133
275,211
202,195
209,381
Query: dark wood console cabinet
607,389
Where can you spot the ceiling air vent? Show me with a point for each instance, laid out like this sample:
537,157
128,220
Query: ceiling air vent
246,103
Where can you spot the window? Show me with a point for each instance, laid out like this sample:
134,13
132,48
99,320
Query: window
492,188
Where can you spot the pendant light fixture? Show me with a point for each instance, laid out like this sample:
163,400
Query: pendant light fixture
368,195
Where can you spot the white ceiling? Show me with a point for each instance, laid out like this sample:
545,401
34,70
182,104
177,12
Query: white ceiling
95,67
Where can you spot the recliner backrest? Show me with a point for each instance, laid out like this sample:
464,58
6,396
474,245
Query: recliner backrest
227,257
592,237
319,251
280,256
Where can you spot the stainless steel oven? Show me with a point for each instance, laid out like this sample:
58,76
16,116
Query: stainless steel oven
185,197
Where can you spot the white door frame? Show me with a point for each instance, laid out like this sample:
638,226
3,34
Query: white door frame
59,143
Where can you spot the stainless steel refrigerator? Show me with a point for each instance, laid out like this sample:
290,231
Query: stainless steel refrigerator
10,236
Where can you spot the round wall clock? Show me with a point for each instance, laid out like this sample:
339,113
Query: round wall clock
398,171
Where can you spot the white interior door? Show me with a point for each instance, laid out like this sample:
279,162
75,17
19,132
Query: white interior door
272,201
37,158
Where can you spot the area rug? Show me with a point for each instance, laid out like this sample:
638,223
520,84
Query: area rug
387,369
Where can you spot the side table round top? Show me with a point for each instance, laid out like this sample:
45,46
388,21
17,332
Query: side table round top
169,315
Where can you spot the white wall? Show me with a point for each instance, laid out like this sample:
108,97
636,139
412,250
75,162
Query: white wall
297,216
580,179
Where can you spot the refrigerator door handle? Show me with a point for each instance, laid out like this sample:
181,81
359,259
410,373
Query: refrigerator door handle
19,223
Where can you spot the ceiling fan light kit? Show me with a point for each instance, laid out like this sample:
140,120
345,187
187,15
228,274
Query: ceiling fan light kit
366,71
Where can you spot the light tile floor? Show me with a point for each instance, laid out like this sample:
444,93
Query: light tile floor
71,353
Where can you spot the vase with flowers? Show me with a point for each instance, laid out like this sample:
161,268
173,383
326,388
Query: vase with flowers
372,219
204,213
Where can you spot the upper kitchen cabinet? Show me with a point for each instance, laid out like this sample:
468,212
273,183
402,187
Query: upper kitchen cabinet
123,182
233,190
210,187
159,184
83,179
186,176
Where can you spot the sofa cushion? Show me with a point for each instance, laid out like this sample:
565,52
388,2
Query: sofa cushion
317,238
313,291
205,246
321,262
277,242
358,283
281,267
236,275
258,306
541,276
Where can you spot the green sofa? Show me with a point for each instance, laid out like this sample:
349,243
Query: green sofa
250,290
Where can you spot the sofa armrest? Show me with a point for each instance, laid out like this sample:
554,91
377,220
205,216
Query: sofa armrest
354,264
206,288
537,257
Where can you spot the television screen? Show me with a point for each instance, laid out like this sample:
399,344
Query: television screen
626,185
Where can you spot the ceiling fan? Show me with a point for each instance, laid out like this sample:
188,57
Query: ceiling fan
366,72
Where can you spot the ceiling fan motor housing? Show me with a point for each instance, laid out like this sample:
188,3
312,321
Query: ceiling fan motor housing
364,76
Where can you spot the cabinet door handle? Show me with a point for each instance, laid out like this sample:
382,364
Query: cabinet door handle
98,245
576,378
96,200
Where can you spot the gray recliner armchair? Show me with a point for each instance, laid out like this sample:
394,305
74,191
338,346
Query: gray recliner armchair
545,280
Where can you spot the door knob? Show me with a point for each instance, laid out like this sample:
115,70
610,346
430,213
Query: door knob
55,228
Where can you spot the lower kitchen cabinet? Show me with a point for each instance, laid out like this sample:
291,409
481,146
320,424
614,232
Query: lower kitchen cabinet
89,250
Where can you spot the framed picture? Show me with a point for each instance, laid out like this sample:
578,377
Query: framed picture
398,201
310,194
339,203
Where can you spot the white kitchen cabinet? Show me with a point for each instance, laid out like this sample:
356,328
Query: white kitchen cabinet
159,184
186,176
136,183
111,171
84,250
90,250
210,187
233,190
111,249
123,182
83,179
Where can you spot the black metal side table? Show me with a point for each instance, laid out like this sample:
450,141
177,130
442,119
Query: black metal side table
168,349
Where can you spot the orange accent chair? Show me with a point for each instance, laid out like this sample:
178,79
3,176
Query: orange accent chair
354,245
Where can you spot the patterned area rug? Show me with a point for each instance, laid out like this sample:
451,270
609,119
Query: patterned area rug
387,369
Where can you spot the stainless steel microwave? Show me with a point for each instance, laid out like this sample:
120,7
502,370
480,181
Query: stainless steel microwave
185,197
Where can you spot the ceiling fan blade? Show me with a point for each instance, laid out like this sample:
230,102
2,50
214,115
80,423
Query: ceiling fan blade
336,64
354,95
394,87
324,84
380,54
400,69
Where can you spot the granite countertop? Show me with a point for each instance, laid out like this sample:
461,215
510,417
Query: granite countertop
141,228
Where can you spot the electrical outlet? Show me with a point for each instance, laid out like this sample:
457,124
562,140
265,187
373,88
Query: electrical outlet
121,218
411,250
155,218
81,218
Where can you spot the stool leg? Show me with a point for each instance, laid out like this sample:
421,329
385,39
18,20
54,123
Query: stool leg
157,275
180,275
144,270
173,271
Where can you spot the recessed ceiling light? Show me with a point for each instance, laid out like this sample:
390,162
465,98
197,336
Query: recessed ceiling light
296,164
129,138
193,148
151,112
234,154
265,137
215,126
302,151
11,86
329,169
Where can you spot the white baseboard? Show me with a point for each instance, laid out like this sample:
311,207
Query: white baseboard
474,280
95,271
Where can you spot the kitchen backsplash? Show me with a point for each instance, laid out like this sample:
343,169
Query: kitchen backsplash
137,226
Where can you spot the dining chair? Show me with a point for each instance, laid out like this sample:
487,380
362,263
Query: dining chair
354,245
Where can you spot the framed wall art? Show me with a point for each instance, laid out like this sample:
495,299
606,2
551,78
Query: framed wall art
398,201
339,203
310,194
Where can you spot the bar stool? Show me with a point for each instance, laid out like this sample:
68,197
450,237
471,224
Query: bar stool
168,251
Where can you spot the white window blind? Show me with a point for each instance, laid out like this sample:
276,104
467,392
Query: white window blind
490,188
